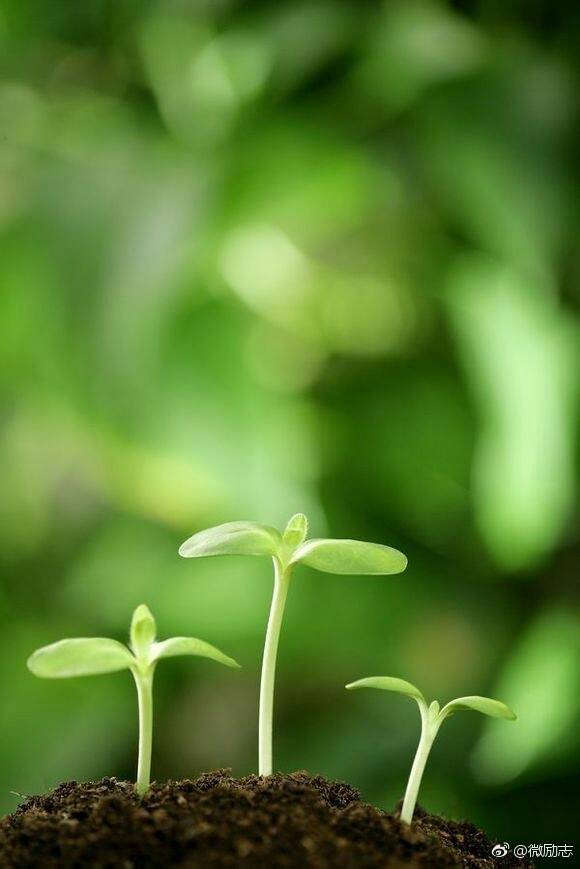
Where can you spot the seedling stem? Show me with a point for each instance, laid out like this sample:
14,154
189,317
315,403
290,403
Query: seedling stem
281,586
430,724
144,683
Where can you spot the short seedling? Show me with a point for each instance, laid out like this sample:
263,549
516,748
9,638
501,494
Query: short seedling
287,550
89,656
432,718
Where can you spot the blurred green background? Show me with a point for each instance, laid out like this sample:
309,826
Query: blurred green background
259,258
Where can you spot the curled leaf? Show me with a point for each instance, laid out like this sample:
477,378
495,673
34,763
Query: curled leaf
143,628
485,705
233,538
190,646
296,530
83,656
389,683
350,557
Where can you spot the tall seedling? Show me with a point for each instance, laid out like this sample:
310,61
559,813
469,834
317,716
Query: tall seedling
288,549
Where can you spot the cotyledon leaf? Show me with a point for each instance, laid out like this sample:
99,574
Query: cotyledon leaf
350,557
189,646
389,683
82,656
233,538
485,705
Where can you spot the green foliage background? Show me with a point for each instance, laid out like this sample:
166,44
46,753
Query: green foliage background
266,257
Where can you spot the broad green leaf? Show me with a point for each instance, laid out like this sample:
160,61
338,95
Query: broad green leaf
233,538
143,628
190,646
84,656
485,705
350,557
296,530
389,683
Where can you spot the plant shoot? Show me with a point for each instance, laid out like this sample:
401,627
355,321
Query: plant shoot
432,717
287,550
90,656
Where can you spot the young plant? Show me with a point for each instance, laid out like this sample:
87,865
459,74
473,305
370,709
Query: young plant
287,550
432,717
89,656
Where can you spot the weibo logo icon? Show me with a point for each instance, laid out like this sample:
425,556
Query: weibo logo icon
500,850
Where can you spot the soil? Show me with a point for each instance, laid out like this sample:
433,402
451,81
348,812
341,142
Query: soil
296,820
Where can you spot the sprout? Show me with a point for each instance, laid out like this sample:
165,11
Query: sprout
89,656
432,718
287,550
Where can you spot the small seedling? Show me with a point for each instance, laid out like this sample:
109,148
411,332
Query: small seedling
287,550
89,656
432,717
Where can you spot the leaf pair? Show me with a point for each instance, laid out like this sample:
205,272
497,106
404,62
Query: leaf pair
485,705
92,656
290,548
432,716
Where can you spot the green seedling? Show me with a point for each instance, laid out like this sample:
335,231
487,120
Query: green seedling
90,656
287,550
432,717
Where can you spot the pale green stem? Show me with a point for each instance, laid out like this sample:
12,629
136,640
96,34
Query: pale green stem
429,728
144,682
281,584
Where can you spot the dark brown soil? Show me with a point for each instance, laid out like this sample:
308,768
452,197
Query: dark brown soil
279,821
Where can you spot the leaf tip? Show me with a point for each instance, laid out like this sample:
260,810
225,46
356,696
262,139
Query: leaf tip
227,661
31,663
184,549
296,530
143,627
142,612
